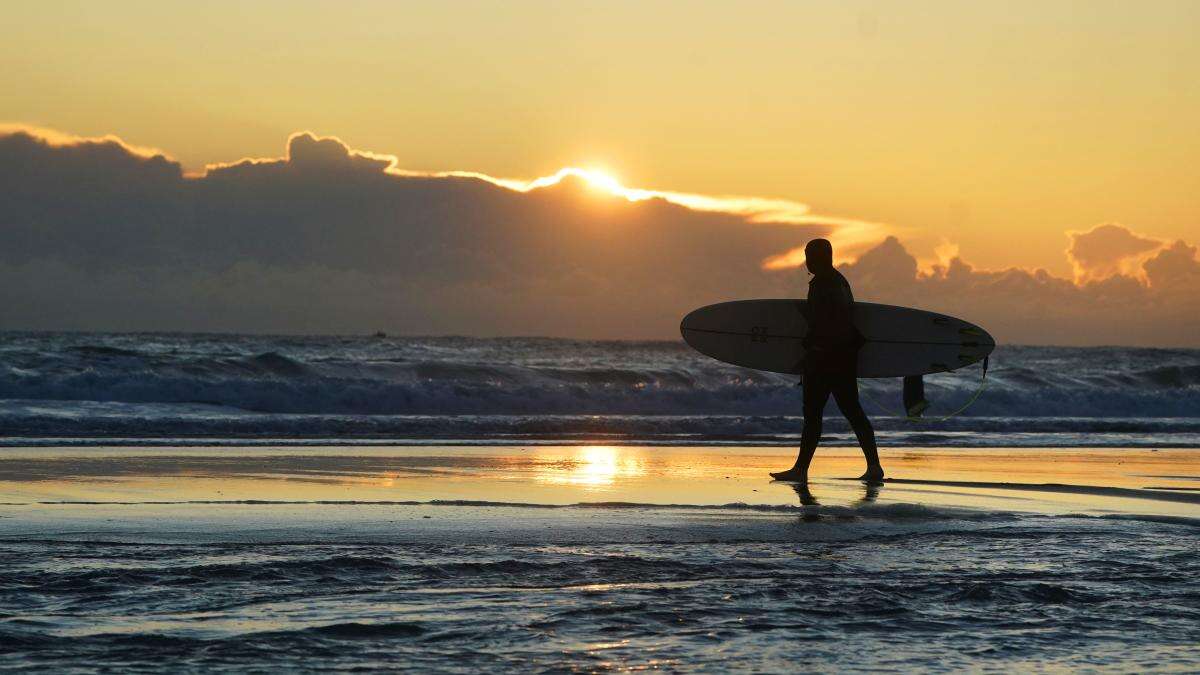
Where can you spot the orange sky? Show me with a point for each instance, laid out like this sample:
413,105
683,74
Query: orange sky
993,127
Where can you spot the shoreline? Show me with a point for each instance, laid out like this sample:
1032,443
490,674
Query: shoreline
1037,480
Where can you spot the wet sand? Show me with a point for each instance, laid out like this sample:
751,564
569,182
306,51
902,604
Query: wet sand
398,491
554,559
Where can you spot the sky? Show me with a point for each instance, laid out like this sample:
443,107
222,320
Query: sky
1053,141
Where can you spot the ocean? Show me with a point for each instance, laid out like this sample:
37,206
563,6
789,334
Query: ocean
61,388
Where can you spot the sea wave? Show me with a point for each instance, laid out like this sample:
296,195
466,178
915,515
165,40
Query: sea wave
87,384
74,423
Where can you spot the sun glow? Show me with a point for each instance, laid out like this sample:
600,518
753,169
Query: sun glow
849,236
602,181
593,178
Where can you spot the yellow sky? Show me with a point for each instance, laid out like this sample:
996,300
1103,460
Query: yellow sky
997,126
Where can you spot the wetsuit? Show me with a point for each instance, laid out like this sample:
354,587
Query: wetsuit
831,363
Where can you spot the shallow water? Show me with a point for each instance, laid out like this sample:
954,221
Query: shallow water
1011,596
551,559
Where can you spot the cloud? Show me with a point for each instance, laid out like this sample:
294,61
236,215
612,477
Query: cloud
56,138
848,238
308,152
1174,268
97,234
1034,306
1106,250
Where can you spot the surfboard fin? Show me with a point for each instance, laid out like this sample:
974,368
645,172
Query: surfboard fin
914,396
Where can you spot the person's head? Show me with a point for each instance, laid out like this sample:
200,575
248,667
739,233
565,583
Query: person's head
818,256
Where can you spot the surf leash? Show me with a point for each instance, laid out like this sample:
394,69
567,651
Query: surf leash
911,416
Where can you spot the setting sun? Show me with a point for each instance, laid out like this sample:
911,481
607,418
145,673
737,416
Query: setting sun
602,181
594,178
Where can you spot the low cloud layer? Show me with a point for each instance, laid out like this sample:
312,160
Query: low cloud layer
99,235
1157,304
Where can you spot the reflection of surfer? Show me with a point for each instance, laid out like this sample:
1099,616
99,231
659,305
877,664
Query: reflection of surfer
807,498
830,363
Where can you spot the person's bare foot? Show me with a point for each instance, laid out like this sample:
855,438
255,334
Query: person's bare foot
874,475
793,474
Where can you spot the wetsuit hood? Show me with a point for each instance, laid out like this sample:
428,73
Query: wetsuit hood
818,256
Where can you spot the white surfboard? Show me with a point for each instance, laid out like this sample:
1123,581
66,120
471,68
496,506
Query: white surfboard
900,341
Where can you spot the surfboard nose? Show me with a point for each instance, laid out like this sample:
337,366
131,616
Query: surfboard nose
689,319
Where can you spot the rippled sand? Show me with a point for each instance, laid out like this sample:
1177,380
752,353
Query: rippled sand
597,557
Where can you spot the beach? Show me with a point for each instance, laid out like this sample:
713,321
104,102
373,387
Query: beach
447,504
468,338
596,557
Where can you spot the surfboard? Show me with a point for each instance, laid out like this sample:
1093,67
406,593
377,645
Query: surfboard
900,341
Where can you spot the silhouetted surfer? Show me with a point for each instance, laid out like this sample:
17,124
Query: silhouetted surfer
830,363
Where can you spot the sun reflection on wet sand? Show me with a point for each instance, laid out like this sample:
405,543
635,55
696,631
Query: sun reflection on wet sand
1142,481
593,466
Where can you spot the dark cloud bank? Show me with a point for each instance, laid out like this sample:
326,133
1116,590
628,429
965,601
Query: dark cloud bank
95,236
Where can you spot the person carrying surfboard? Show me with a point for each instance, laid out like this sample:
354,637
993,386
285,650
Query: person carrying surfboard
831,363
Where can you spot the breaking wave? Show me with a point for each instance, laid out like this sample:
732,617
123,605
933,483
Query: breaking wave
89,384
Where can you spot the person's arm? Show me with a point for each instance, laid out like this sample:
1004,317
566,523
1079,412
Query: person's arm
842,309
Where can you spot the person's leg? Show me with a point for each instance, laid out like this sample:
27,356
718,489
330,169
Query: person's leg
845,392
816,393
